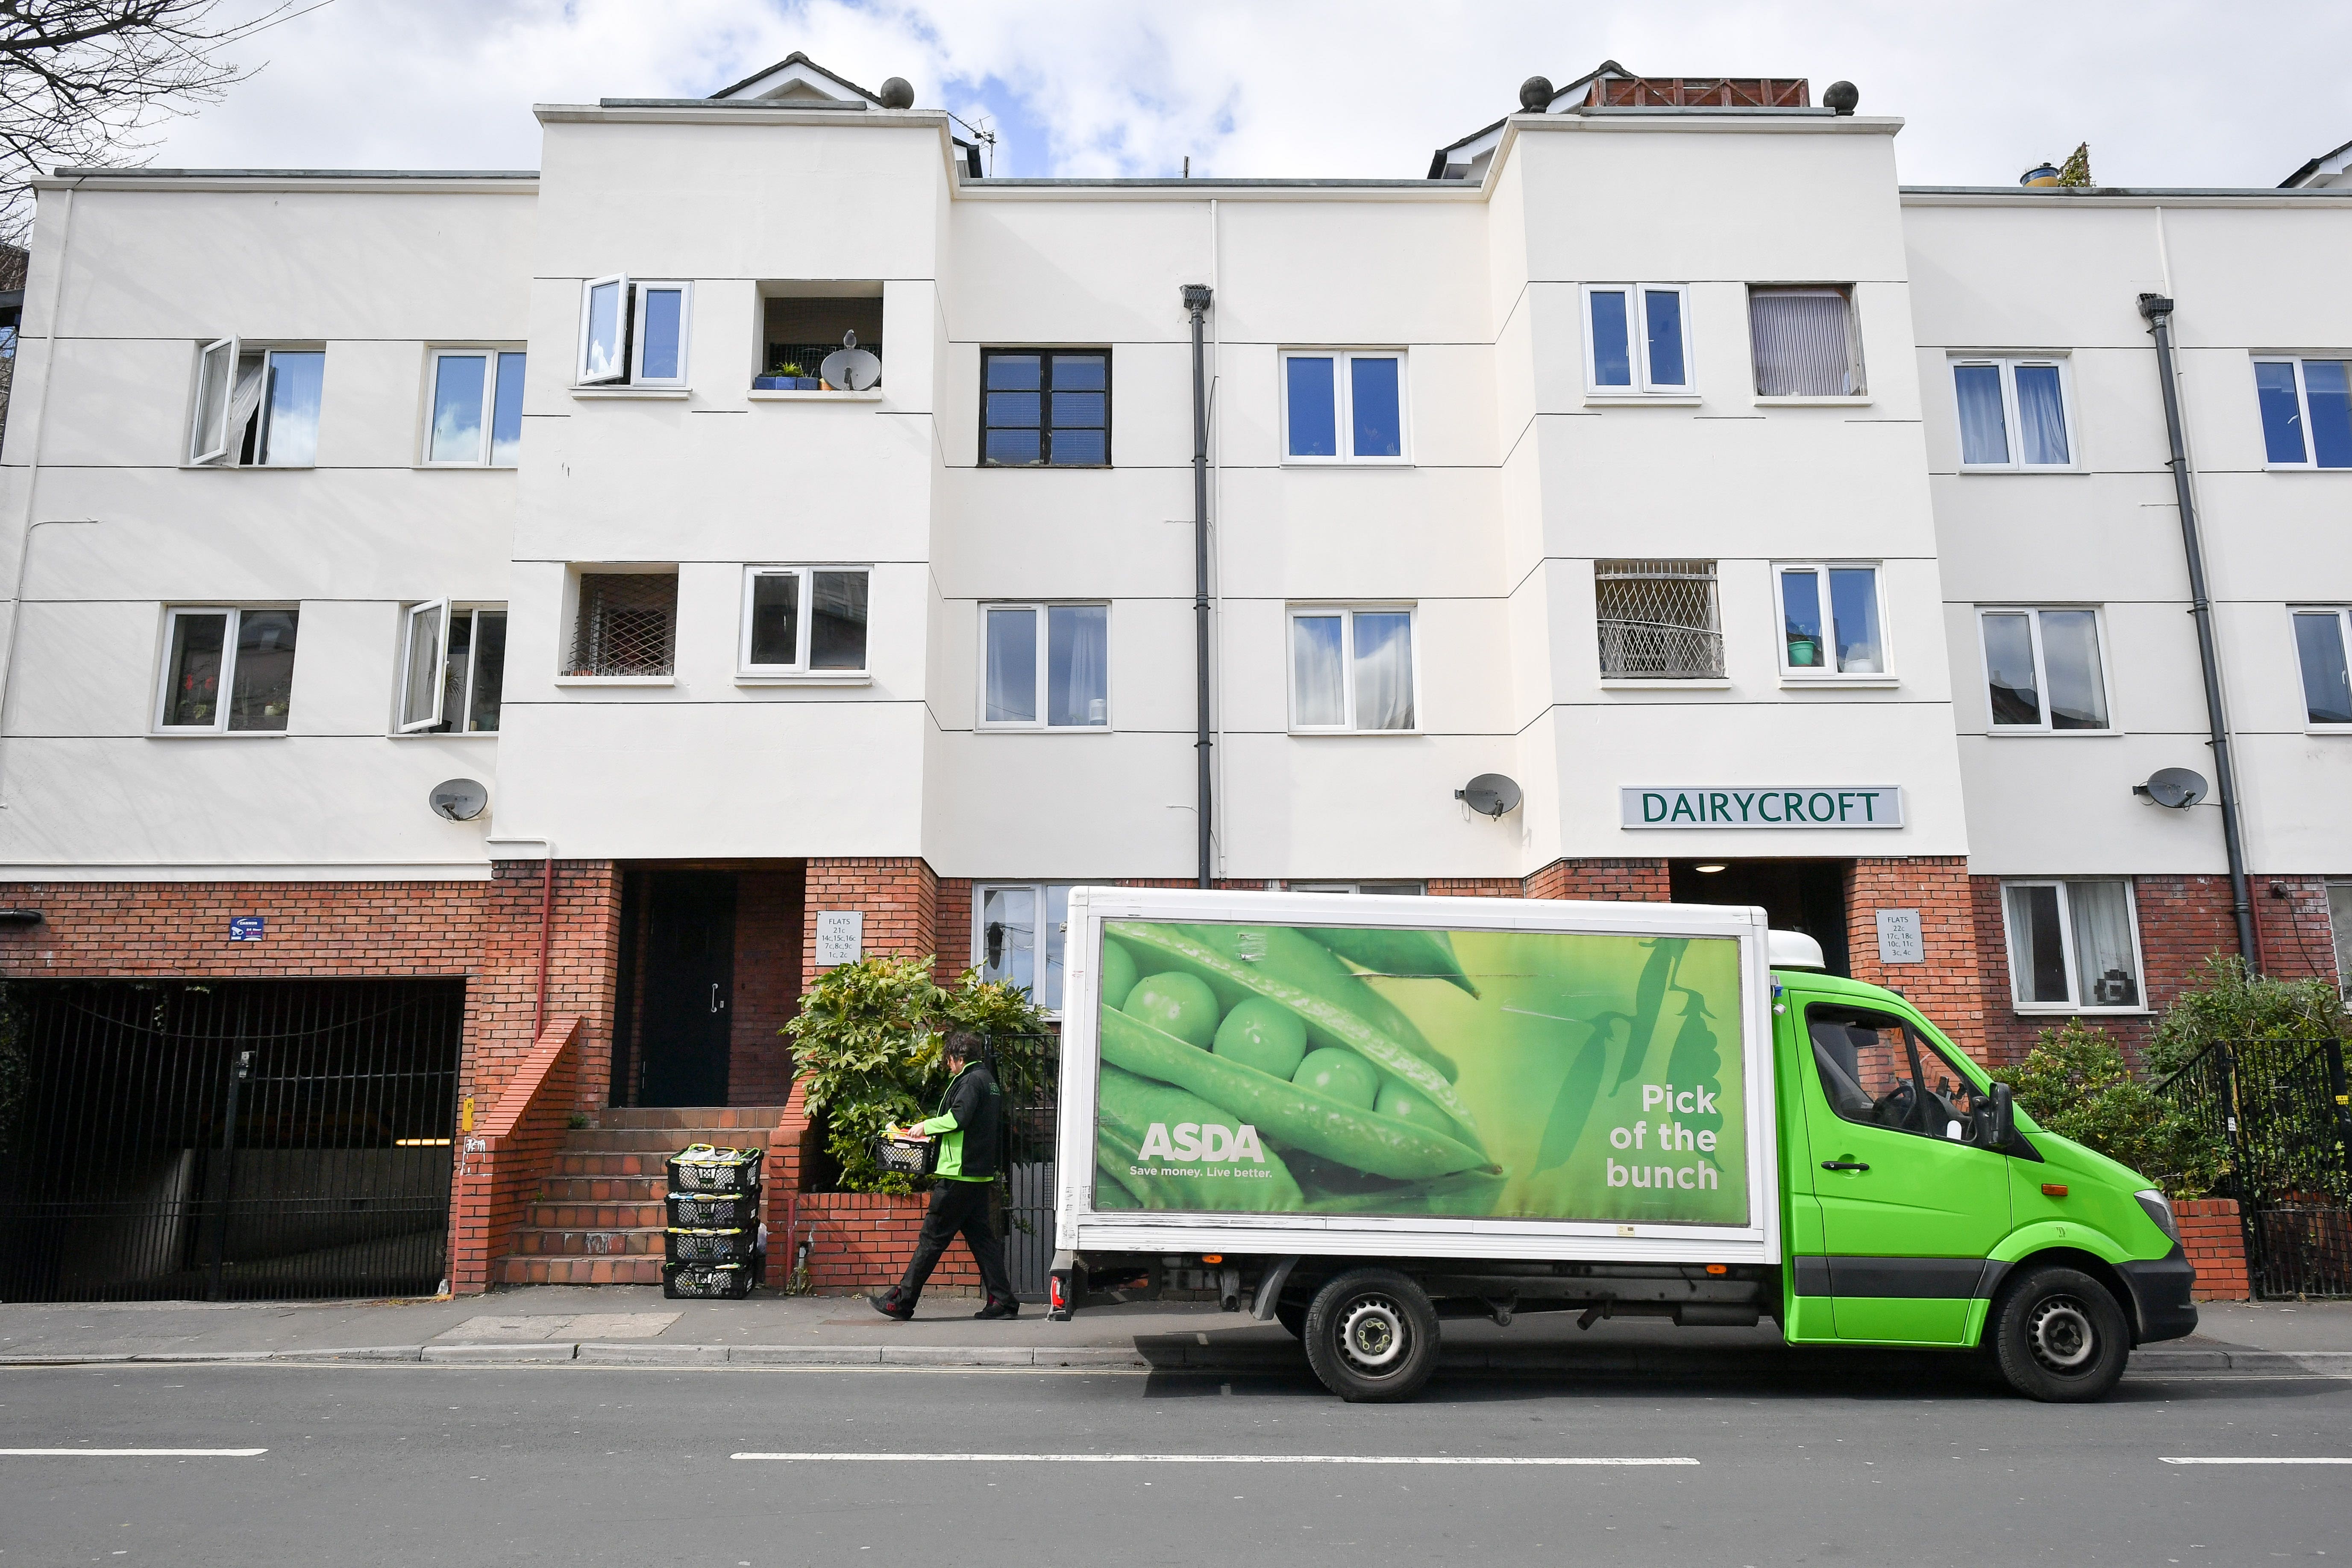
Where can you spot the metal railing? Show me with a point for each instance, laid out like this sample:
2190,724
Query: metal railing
1655,650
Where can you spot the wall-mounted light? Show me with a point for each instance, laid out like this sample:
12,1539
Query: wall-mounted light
1708,870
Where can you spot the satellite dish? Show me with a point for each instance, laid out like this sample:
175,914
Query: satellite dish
1489,795
459,800
851,367
2176,788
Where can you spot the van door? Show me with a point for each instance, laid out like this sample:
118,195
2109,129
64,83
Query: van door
1912,1197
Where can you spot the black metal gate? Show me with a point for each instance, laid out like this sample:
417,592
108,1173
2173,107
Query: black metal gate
228,1140
1029,1068
2280,1109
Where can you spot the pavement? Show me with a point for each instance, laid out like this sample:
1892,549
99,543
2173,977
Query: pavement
633,1325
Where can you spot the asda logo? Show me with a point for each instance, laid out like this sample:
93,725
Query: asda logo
1213,1144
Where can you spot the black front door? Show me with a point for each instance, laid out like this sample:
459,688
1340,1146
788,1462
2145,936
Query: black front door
688,978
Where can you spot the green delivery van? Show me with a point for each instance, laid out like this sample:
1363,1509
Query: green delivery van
1361,1116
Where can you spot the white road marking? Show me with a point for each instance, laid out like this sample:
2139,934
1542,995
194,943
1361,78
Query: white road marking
2332,1460
1199,1460
132,1453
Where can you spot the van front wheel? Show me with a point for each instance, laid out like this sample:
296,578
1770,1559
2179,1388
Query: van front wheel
1371,1336
2058,1336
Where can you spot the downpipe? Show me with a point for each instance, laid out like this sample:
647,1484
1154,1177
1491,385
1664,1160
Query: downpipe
1196,301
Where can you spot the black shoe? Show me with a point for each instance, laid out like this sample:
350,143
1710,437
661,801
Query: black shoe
1006,1309
889,1308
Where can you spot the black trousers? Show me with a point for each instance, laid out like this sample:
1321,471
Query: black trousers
957,1208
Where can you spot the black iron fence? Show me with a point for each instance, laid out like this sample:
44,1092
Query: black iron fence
2279,1112
229,1139
1029,1068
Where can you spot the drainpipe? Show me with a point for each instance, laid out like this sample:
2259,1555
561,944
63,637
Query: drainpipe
2158,311
1196,301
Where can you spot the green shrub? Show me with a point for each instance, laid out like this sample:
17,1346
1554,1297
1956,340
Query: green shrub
2228,1003
2076,1083
866,1044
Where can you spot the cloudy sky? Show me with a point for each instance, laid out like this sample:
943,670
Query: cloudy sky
2173,92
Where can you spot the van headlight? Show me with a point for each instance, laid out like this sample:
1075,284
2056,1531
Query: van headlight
2160,1209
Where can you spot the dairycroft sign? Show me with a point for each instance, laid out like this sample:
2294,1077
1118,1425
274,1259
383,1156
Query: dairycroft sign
1804,805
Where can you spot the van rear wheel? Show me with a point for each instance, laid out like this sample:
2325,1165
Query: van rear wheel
1371,1336
2058,1336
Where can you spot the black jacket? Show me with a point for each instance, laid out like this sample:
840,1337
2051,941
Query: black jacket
977,1107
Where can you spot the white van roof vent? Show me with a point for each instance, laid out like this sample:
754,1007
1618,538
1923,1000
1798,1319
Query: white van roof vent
1793,949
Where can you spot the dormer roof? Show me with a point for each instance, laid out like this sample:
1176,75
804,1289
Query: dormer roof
798,78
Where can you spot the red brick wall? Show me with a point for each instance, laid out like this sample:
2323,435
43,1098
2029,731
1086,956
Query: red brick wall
861,1241
768,938
2215,1240
1644,880
899,898
1947,987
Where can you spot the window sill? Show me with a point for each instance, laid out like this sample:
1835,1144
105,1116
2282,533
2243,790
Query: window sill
2307,468
2054,1010
463,467
1839,682
2021,733
444,735
985,728
1351,734
616,680
1642,400
807,678
2339,731
1841,402
216,735
248,468
1345,463
1972,470
872,394
675,394
1664,683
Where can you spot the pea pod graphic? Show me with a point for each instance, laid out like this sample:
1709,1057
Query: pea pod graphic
1404,954
1362,1139
1135,1103
1649,997
1573,1108
1291,957
1327,1022
1695,1062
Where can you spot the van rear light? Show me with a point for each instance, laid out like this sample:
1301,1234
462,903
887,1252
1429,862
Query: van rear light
1212,1258
1055,1297
1716,1269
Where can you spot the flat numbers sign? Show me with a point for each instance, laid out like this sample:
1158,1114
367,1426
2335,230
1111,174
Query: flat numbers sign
840,937
245,928
1899,940
1773,806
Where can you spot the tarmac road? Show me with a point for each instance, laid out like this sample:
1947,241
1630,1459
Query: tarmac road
475,1465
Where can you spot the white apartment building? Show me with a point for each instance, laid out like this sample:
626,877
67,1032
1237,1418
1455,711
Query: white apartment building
1781,534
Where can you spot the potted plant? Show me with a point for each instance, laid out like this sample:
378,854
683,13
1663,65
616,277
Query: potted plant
785,376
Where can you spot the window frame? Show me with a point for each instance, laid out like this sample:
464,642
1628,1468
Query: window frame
1343,400
1040,608
2343,615
220,447
495,354
1637,347
641,290
2067,943
1042,893
2310,463
1857,366
1821,568
2042,671
1347,610
215,447
805,633
622,317
235,614
449,611
1045,463
2008,365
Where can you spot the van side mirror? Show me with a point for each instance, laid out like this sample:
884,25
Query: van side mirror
2004,1116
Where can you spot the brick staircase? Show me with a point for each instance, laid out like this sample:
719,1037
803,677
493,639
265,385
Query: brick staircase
598,1216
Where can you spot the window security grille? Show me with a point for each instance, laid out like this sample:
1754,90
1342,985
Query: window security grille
1657,620
628,625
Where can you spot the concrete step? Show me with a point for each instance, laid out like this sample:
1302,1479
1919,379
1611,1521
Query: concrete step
603,1189
701,1118
571,1164
618,1241
660,1140
562,1271
544,1215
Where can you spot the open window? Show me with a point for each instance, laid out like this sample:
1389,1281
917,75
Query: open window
452,668
634,332
801,325
256,407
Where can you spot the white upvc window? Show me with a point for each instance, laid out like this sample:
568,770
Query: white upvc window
2322,635
453,660
227,669
475,417
1804,341
1415,890
256,407
2015,412
2340,922
1017,930
1044,667
1353,669
804,620
2073,946
2307,410
1344,405
635,332
2045,670
1637,338
1833,618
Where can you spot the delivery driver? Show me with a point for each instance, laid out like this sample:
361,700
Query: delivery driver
970,1131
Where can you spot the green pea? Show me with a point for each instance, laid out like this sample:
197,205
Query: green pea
1263,1034
1340,1074
1410,1105
1174,1004
1118,974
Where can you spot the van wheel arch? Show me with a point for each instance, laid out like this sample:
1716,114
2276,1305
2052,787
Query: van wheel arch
2074,1258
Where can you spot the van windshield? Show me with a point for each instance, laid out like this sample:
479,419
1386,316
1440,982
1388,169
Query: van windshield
1876,1070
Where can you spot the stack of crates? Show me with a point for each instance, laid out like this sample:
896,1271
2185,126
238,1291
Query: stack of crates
713,1247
